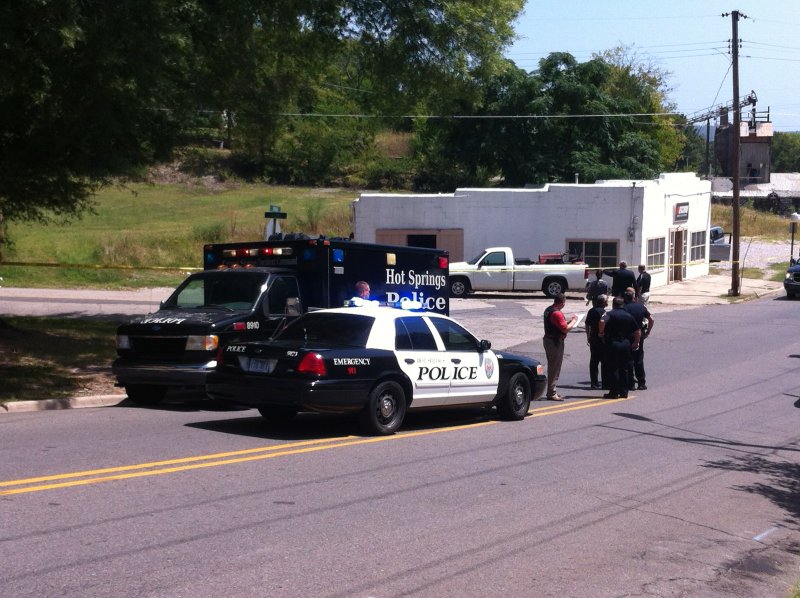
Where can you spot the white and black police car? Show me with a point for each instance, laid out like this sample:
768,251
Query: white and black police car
376,361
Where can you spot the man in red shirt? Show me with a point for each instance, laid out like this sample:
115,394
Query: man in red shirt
556,328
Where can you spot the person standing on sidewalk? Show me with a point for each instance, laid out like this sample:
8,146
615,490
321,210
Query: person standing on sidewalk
595,343
556,328
643,285
621,334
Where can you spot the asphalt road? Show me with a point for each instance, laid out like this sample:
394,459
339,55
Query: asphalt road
687,489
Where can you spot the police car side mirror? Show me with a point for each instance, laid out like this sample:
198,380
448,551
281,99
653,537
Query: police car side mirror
485,345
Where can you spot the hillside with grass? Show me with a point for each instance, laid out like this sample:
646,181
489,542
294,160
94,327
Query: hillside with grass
142,234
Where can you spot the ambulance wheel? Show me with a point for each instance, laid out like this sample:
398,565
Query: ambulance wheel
146,394
517,400
277,414
554,286
385,410
459,287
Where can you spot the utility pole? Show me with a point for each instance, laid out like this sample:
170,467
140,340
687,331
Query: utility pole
735,15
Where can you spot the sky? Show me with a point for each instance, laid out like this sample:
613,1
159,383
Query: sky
690,39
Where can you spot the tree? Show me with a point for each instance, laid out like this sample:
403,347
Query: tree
88,90
91,90
786,152
604,118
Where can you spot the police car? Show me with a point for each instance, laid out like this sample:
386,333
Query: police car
376,361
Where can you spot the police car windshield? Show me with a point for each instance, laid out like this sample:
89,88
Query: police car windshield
235,290
339,330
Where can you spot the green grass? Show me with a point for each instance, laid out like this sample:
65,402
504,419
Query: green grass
752,223
150,227
49,358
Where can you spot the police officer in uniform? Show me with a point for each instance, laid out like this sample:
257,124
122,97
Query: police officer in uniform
596,347
621,334
643,317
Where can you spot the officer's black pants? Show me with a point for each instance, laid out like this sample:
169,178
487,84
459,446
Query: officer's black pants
618,354
637,366
596,350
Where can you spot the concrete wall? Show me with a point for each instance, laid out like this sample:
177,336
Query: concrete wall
544,220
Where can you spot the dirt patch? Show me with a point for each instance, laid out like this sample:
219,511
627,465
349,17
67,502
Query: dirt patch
49,358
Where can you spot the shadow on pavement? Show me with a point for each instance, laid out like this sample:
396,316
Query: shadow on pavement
309,426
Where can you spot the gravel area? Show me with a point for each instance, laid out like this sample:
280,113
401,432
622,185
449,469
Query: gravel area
760,254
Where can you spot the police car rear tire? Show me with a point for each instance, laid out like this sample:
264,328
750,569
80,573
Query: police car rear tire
517,400
385,410
146,394
277,414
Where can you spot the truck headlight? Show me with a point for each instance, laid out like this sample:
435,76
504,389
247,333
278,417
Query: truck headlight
202,343
123,341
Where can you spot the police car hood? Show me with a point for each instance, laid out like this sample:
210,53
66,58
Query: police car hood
183,321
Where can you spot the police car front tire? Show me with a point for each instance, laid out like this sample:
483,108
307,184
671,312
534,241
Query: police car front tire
517,400
385,410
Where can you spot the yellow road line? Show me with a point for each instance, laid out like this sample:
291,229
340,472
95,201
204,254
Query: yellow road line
266,453
124,472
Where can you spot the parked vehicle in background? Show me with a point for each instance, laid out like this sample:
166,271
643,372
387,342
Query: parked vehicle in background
496,269
791,283
719,249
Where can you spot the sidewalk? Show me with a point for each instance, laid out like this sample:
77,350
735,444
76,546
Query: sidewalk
712,290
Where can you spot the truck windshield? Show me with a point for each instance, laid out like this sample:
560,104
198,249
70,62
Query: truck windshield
232,290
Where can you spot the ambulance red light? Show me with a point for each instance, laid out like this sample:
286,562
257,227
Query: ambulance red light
443,261
265,251
238,326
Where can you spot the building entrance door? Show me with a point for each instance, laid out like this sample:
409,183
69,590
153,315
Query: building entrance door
677,255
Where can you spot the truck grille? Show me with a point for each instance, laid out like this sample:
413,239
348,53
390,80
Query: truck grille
796,276
159,346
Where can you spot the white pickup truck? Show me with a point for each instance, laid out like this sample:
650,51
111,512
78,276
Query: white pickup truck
495,269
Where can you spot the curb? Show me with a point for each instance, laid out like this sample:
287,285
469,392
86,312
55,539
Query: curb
58,404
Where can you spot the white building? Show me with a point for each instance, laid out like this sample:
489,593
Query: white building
662,223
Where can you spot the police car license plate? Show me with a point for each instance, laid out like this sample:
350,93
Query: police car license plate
262,366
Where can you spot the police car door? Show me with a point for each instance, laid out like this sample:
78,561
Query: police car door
419,357
473,374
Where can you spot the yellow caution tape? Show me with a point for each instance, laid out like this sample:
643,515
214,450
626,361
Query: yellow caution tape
97,266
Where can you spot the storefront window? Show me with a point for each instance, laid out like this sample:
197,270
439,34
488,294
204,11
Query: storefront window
597,254
698,251
656,254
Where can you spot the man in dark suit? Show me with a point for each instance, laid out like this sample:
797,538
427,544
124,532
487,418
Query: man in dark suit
643,282
622,279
